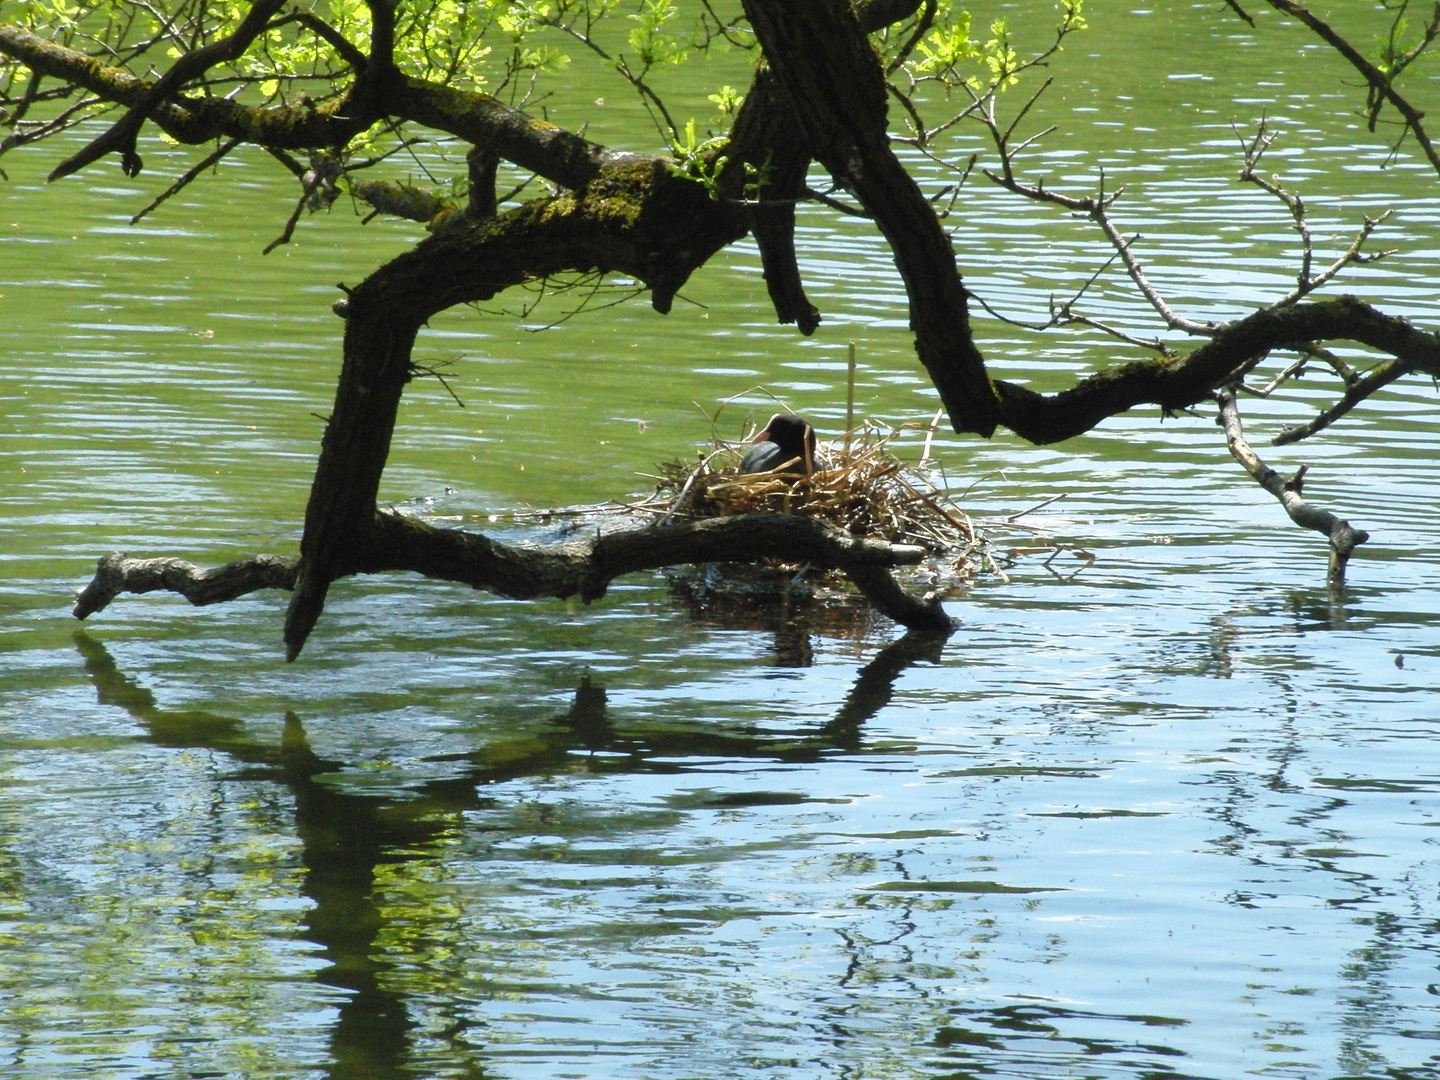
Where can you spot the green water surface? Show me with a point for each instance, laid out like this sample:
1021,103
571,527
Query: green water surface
1161,807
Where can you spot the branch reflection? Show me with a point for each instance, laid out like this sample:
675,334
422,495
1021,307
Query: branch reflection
345,836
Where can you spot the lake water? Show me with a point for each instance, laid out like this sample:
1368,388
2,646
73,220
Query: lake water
1162,807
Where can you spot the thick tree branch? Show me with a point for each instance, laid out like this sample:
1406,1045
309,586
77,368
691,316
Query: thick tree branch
1343,538
884,592
121,137
627,219
118,574
585,567
401,200
582,568
190,120
530,143
518,137
834,82
1180,382
768,159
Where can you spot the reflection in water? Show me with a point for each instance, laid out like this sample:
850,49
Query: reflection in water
343,837
1327,609
346,836
875,687
1033,1043
781,604
867,880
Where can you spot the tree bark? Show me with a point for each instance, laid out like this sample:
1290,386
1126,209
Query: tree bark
833,80
766,138
582,568
820,94
1179,382
626,219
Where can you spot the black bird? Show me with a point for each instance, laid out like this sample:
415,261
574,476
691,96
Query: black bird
785,438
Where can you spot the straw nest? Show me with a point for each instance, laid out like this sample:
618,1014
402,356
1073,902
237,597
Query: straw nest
859,485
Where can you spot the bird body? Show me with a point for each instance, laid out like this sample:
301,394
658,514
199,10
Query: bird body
786,439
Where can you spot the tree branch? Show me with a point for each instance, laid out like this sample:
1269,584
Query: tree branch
323,30
1343,538
529,142
1305,282
122,135
582,568
118,574
189,176
1379,82
834,82
1176,383
627,220
769,151
1355,393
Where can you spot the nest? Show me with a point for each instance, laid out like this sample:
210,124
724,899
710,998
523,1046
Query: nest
858,485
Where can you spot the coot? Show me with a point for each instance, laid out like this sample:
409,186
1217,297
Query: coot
785,439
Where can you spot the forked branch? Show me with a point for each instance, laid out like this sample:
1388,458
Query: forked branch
1305,281
121,137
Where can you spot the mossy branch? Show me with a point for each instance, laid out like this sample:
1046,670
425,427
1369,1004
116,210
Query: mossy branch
1179,382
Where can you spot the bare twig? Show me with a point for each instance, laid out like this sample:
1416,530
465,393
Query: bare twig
922,26
294,219
1234,6
1305,281
209,162
1291,371
1355,392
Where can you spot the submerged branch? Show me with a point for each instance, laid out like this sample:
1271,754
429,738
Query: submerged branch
1344,539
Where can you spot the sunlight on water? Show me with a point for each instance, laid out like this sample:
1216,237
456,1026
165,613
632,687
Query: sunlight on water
1161,808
